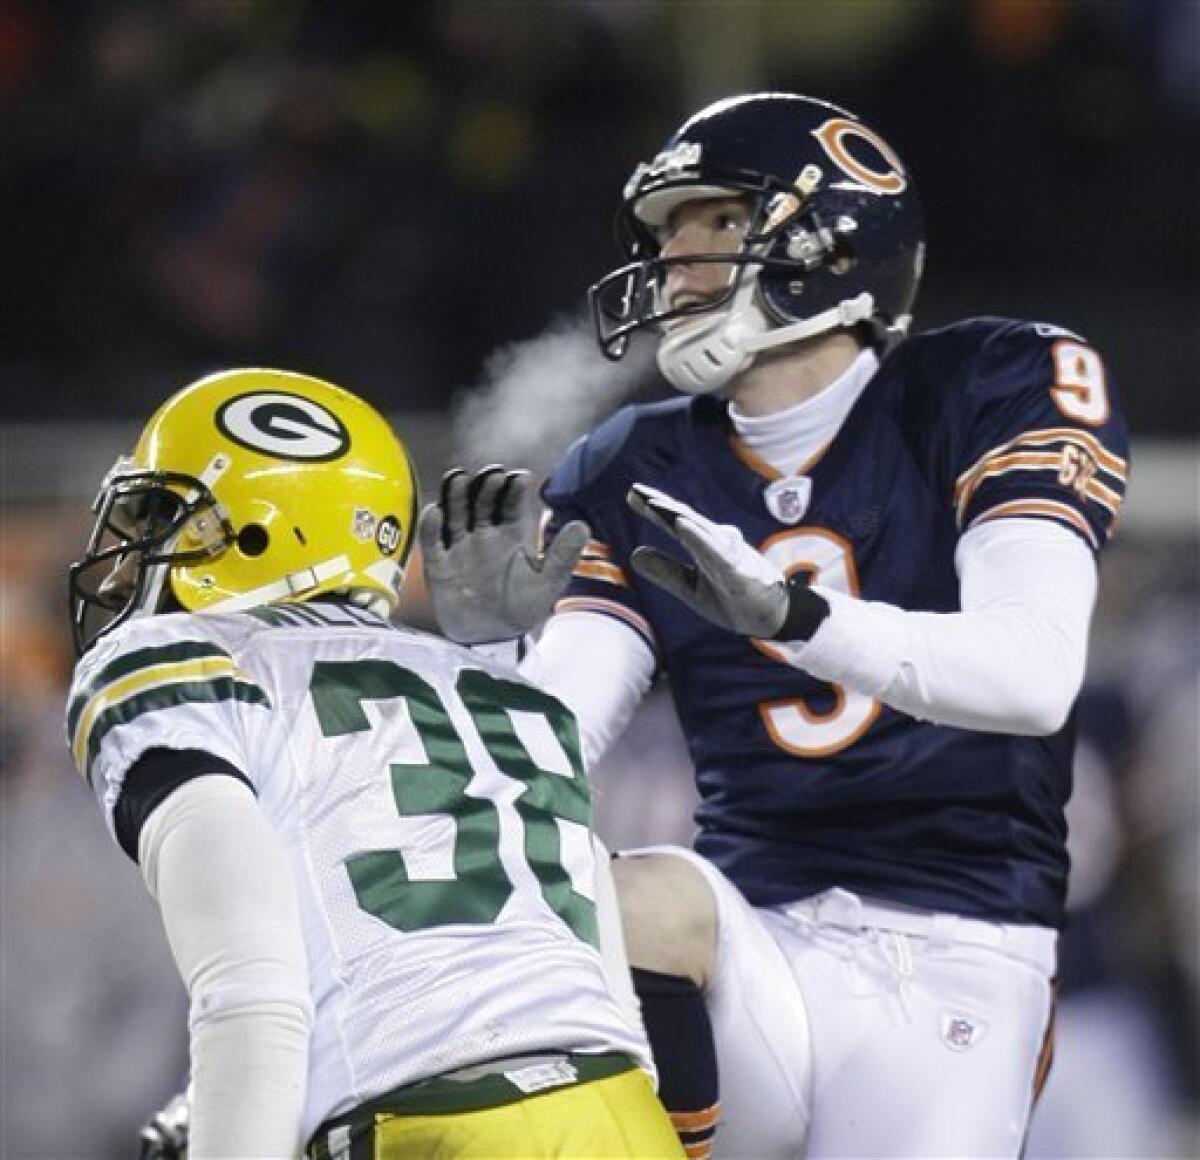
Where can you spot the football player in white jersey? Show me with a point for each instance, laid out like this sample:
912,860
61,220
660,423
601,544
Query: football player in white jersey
371,849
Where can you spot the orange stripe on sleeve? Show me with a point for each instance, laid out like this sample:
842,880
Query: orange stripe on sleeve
1001,465
589,570
696,1121
597,550
1104,496
1111,463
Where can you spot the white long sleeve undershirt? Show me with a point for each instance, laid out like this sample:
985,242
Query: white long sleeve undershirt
576,646
222,881
1012,661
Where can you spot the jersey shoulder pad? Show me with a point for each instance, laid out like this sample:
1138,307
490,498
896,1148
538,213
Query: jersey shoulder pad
945,357
1036,430
978,361
592,459
151,664
1015,356
927,372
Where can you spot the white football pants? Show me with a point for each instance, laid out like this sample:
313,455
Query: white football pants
851,1029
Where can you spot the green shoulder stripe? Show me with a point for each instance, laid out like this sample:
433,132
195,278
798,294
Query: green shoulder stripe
167,697
308,614
184,650
286,615
273,615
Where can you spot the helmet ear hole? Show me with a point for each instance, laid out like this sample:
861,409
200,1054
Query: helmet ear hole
252,540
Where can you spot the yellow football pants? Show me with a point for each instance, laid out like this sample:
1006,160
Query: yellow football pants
615,1118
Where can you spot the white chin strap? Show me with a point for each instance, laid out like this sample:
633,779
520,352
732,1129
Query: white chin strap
297,584
702,355
294,584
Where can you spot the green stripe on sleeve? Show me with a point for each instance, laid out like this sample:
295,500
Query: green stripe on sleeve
169,696
144,658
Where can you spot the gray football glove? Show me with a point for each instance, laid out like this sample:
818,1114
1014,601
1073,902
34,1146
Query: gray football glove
486,580
727,581
165,1137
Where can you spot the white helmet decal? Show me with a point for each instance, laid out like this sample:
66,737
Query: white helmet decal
283,425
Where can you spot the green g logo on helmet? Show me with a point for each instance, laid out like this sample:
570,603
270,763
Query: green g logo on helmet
283,425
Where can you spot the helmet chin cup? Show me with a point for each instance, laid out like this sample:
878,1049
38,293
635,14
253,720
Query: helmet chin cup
701,355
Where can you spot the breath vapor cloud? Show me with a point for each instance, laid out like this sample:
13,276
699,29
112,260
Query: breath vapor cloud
540,394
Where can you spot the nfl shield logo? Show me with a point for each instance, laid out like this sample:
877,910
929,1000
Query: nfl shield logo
787,499
960,1031
364,524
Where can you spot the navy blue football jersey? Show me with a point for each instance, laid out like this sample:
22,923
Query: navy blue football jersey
805,785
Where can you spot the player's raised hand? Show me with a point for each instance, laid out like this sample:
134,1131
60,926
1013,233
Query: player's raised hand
486,579
726,581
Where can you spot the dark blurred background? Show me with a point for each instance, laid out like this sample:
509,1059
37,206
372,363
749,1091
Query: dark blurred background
411,199
383,193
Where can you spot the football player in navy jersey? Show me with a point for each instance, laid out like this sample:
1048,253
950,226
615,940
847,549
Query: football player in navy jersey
866,562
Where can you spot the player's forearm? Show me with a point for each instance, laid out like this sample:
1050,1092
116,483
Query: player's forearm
1012,661
248,1082
573,649
228,902
1003,669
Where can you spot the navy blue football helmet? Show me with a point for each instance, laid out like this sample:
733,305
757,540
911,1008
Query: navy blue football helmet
836,237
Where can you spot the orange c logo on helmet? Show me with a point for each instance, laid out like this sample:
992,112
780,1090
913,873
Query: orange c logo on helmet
832,136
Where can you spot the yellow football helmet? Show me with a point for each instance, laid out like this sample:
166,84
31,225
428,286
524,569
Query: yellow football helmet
248,487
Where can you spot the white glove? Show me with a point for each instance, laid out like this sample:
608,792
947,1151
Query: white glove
728,581
485,579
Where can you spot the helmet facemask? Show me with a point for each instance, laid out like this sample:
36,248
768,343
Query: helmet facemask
147,522
632,296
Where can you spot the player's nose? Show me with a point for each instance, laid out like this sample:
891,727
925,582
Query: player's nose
687,239
122,580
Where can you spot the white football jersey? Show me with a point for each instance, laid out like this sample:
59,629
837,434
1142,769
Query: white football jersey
436,815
